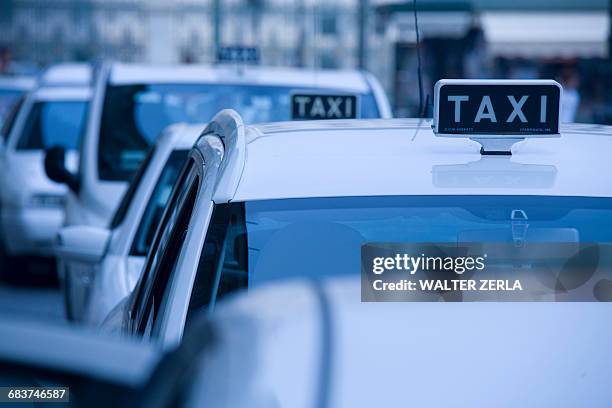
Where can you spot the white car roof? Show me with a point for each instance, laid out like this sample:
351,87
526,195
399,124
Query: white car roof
22,83
64,82
63,93
403,157
348,80
66,74
188,135
180,136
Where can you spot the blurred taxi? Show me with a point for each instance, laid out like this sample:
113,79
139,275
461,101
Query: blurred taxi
52,114
257,203
104,263
133,103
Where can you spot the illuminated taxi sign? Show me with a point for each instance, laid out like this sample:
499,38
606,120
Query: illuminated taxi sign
497,111
238,54
309,106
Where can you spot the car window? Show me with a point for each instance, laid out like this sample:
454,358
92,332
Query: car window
157,202
146,302
222,268
128,196
134,115
53,123
318,237
10,118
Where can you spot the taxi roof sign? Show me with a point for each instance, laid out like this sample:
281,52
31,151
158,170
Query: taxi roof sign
238,53
497,113
315,106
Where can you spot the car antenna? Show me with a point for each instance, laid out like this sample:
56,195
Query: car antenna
418,50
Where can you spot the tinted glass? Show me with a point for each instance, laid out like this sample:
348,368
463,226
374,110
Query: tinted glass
222,267
259,241
157,202
134,115
323,236
54,123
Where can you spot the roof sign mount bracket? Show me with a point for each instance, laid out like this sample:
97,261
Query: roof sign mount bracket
496,147
497,113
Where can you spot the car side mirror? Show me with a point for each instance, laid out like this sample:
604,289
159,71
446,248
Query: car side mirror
55,167
82,243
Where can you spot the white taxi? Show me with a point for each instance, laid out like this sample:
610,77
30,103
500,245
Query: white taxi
272,201
52,114
132,104
104,263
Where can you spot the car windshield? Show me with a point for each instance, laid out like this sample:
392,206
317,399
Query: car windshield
53,123
157,202
8,98
323,236
134,115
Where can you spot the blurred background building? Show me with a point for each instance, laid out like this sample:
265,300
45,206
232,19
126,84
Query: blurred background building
288,32
568,40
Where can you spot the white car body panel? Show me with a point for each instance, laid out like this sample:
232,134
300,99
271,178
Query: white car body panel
31,229
109,279
22,176
66,74
349,80
390,354
95,202
21,83
134,265
66,349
